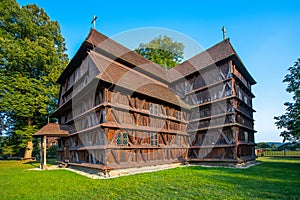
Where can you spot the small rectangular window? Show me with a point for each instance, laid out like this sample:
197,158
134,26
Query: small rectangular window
122,138
240,95
153,109
246,136
179,115
154,139
179,140
245,99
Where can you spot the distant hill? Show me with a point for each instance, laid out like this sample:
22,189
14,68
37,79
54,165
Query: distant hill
277,144
268,145
290,146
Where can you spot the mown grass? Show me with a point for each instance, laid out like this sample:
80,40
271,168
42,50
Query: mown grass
275,178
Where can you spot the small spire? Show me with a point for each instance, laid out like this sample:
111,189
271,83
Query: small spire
224,32
94,21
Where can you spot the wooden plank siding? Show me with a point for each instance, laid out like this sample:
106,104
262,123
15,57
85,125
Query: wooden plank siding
221,117
120,115
97,125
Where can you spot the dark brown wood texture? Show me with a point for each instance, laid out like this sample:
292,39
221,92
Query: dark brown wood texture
121,113
221,118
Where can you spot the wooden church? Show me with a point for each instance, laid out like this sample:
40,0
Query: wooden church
123,111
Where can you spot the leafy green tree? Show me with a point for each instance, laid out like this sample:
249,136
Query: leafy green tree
52,151
9,150
290,121
273,146
2,143
262,145
163,51
32,56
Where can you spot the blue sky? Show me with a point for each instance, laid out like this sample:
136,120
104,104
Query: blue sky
265,34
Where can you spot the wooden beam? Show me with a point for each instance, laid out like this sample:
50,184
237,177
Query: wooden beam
114,156
45,151
142,154
115,116
41,153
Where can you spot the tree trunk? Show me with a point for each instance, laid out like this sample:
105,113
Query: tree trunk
29,147
28,150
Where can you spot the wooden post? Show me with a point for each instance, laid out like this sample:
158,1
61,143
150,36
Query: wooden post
45,151
41,153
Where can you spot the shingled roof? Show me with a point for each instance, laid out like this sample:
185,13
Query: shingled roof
132,71
125,77
108,47
52,129
216,53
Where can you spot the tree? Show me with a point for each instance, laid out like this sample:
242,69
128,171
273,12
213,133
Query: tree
32,56
2,144
290,121
262,145
273,146
163,51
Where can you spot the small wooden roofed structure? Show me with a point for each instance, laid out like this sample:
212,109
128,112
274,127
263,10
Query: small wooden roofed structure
52,130
49,130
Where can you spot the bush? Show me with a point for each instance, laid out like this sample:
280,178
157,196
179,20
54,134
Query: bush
52,151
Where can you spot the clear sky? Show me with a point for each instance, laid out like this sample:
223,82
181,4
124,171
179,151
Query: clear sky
265,34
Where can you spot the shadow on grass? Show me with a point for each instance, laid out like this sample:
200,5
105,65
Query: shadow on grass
35,164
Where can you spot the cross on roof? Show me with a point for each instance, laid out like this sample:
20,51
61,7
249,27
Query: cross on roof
224,32
94,21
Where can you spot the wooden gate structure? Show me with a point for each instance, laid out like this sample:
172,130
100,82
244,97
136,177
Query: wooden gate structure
124,111
49,132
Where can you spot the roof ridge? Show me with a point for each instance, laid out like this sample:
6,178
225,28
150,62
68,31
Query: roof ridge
127,55
205,58
208,49
116,51
135,81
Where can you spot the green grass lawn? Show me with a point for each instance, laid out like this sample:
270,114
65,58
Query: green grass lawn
275,178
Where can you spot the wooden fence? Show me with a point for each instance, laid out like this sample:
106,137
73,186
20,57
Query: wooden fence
277,153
